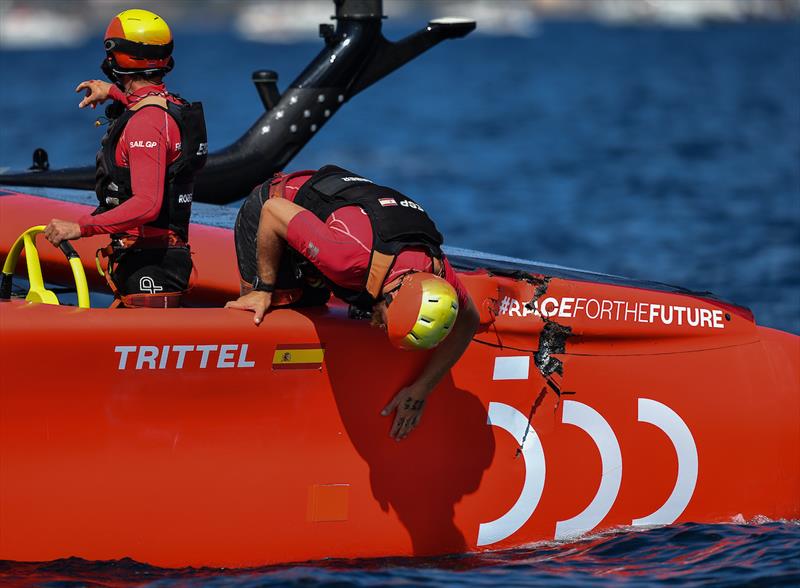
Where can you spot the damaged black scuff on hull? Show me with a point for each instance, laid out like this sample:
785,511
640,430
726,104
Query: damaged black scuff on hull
552,341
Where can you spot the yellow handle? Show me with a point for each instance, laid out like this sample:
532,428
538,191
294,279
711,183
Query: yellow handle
37,291
16,248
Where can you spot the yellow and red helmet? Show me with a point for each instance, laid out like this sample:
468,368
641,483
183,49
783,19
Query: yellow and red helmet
138,42
421,312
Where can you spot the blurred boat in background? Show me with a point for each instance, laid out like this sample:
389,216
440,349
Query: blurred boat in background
27,25
280,22
507,19
52,23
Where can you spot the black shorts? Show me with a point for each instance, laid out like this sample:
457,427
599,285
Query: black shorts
152,271
245,233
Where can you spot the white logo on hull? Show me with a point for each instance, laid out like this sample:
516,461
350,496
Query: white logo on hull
513,421
165,357
586,418
661,416
592,422
615,310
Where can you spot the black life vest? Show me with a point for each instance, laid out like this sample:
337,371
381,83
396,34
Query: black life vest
113,182
398,223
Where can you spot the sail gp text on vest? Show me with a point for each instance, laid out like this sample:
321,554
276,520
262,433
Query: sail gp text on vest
151,357
147,144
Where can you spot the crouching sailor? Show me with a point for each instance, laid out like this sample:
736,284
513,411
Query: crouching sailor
155,143
371,246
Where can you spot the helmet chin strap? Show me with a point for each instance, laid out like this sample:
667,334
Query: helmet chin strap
108,70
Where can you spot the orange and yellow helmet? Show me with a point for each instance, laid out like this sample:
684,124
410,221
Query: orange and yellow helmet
137,42
421,312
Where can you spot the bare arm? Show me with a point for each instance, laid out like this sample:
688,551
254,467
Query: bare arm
60,230
97,92
276,214
410,401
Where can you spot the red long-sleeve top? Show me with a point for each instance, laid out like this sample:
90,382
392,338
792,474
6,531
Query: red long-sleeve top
150,142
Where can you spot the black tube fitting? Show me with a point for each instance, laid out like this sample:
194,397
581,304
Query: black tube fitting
266,82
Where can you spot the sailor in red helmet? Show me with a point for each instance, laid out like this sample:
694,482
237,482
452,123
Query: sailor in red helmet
155,143
374,248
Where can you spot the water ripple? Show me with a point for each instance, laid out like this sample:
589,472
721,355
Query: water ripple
688,555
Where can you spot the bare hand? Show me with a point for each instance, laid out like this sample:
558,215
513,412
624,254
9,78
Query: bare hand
410,403
61,230
256,301
96,92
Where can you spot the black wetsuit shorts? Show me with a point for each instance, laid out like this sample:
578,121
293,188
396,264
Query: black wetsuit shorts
152,271
290,274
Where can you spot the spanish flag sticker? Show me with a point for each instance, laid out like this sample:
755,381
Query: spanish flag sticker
298,356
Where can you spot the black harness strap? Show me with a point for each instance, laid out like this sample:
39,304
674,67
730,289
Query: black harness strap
398,223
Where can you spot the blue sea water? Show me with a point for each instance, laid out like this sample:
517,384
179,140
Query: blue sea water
764,554
671,155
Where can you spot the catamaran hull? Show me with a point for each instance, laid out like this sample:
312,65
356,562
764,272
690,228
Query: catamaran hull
192,437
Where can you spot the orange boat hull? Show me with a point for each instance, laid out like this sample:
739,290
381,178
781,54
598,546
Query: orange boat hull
191,437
